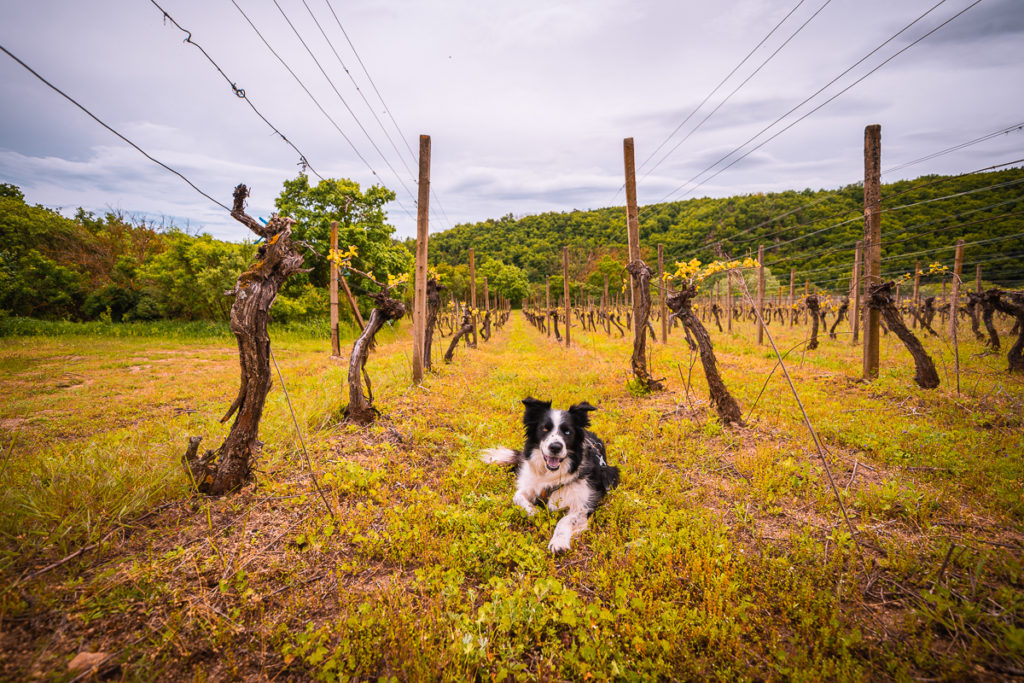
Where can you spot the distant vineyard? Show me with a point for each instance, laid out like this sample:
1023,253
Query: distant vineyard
812,231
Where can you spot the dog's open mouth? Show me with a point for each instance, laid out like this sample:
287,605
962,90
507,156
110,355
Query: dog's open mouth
553,462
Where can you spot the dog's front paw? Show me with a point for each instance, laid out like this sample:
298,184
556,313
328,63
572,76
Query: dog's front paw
522,501
559,544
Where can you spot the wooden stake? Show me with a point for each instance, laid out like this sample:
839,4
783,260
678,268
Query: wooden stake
547,305
419,305
760,294
472,290
917,290
977,280
954,299
661,288
604,307
335,341
728,301
352,303
855,295
872,243
565,287
792,295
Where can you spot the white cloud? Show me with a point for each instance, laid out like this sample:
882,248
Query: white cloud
527,103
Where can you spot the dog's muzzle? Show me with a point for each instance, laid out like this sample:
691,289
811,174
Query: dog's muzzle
554,460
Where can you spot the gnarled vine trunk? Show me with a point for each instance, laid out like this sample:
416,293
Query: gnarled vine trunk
433,306
973,301
680,302
467,328
880,298
554,321
230,466
1011,303
812,308
360,406
840,316
642,275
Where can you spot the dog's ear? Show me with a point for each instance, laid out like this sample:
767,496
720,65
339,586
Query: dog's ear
534,410
580,414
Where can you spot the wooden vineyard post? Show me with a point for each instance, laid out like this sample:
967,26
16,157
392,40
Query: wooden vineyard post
606,308
792,295
728,301
566,299
916,303
640,276
547,303
472,291
954,298
661,290
760,294
352,303
872,244
419,306
855,295
977,280
485,323
335,341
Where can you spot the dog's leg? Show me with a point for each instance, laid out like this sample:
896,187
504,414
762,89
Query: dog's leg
567,527
522,500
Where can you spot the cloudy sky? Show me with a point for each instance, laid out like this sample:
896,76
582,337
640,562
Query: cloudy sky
526,102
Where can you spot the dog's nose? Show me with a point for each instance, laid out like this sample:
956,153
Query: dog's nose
555,448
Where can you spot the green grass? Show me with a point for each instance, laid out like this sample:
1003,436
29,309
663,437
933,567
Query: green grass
722,554
14,326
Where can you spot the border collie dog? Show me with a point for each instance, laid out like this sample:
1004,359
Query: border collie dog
562,463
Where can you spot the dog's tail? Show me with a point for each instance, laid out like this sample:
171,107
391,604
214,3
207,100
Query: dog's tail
499,456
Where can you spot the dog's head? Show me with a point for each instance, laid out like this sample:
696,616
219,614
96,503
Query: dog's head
558,434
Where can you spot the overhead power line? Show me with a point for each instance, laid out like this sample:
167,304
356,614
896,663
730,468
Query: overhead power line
315,100
816,93
738,87
239,92
713,91
955,148
355,85
733,242
344,102
370,107
105,125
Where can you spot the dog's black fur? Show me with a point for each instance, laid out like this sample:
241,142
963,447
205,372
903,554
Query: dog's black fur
585,450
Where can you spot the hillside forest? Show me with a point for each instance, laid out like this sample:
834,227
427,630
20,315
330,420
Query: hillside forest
124,268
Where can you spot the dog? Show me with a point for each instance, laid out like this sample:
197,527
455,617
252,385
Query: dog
561,460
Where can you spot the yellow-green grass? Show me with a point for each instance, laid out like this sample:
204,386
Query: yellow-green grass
723,554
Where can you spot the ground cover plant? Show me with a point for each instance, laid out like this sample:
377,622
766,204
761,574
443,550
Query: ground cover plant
722,554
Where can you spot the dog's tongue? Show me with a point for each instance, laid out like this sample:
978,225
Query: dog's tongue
552,462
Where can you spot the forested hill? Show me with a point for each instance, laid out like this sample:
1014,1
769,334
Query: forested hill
814,232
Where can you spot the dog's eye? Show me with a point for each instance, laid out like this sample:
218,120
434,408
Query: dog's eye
565,430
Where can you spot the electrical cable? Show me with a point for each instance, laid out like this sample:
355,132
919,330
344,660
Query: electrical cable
315,101
99,121
955,148
330,82
737,88
387,110
818,107
239,92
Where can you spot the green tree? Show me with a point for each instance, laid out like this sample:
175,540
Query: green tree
362,222
188,279
504,279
